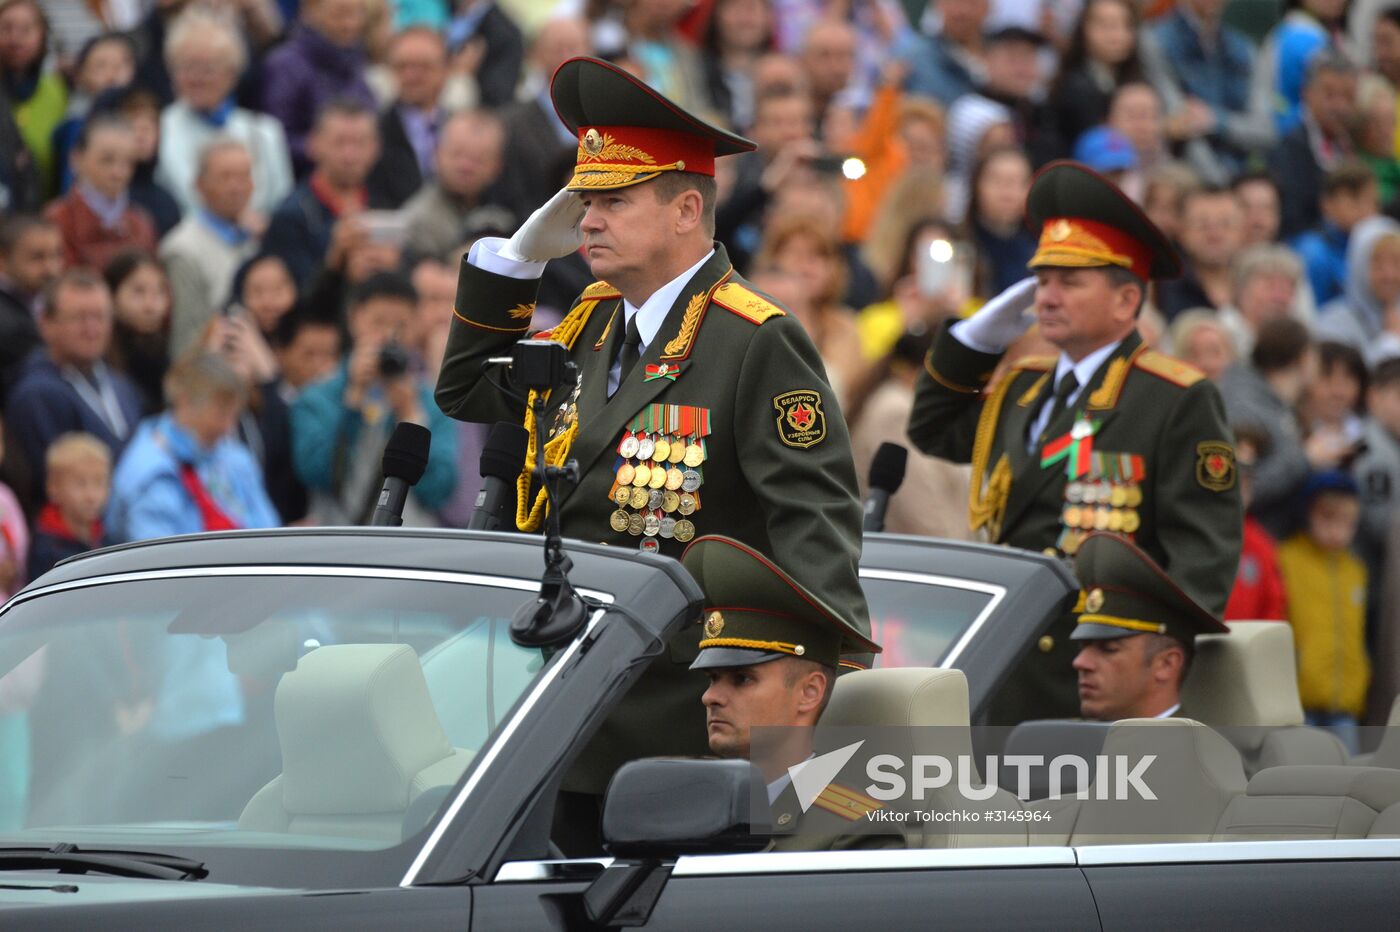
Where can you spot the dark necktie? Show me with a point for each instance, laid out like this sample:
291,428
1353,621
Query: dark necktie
630,351
1064,389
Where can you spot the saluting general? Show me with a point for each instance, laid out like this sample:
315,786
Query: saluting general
1106,436
702,407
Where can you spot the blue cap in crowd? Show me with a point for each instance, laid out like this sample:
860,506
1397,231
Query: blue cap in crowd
1105,150
1330,480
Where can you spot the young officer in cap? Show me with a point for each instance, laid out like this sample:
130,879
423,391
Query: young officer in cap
702,406
1136,631
771,650
1107,436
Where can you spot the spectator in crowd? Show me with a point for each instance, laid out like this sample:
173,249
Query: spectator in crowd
37,96
1325,584
308,349
1000,182
79,470
808,253
67,385
15,547
911,200
141,110
540,149
1385,52
1200,338
1202,68
206,57
19,176
469,161
917,298
1358,317
322,61
976,126
263,288
1109,153
141,301
1262,395
1136,111
210,244
661,55
435,282
1258,594
1012,58
1212,232
340,425
31,257
1163,195
410,129
946,63
106,61
1259,196
1320,139
317,223
1101,57
1374,132
1331,407
1309,31
97,218
736,36
1377,472
481,28
1348,197
1265,284
185,472
829,59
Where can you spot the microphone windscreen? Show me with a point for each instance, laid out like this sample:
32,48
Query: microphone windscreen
406,453
887,467
503,455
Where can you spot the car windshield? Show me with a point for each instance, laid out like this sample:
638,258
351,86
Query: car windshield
258,710
917,619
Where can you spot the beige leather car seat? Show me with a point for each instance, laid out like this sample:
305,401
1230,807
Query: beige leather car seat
360,741
1388,751
929,706
1245,684
1310,802
1194,776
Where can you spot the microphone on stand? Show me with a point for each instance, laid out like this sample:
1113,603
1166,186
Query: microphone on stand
405,459
886,476
502,459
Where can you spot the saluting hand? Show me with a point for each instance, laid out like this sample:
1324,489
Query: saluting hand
552,231
1004,319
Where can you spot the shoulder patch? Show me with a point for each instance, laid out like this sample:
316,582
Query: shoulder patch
1173,370
846,802
1035,363
598,291
745,302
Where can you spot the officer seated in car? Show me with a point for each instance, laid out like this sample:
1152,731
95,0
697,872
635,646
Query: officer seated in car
771,651
1138,630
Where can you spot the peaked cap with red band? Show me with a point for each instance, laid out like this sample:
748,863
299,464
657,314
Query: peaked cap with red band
1085,221
627,132
754,612
1125,592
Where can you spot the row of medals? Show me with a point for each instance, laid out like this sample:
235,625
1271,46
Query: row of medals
1102,506
657,489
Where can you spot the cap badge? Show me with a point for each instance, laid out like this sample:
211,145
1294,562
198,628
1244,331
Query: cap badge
714,625
593,142
1094,601
1060,231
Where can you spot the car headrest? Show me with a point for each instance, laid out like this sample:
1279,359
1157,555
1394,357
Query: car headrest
1187,750
356,725
1248,677
907,696
1377,787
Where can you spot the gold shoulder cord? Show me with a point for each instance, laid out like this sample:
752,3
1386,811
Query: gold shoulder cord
987,505
529,515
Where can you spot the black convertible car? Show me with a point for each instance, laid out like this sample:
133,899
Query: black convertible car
333,728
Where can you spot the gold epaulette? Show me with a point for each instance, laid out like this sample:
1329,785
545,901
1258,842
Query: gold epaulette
1035,363
598,291
1173,370
748,304
845,802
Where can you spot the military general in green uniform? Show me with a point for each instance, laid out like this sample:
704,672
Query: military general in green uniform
702,406
1107,436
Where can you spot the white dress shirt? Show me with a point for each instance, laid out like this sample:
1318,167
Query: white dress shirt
1083,373
486,254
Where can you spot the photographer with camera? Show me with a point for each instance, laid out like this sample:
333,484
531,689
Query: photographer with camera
340,426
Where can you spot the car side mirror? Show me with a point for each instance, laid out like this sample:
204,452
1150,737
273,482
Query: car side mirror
667,807
655,811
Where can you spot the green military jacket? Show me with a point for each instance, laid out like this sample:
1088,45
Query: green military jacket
777,473
1158,467
836,821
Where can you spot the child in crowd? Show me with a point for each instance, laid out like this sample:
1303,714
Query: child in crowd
107,61
1326,589
1258,594
97,217
79,475
1349,195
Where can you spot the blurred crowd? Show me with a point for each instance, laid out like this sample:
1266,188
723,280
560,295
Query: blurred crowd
231,230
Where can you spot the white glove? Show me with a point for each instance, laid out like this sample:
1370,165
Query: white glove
1002,320
552,231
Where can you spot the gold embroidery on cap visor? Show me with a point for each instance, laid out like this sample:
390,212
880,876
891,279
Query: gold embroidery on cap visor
603,163
1069,245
